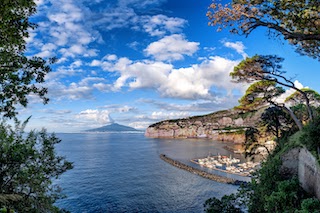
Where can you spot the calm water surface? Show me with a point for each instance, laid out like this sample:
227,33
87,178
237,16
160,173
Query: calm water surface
123,173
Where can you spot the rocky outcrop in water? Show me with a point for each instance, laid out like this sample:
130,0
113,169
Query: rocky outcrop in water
227,125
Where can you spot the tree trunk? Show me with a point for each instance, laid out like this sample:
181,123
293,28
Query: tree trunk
293,116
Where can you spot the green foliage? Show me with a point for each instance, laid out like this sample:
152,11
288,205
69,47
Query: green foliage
285,198
300,26
270,190
311,135
309,205
267,70
19,75
312,95
258,68
277,122
227,204
29,163
259,94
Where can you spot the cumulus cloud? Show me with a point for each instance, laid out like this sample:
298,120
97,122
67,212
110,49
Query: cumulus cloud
171,48
159,25
168,115
196,81
197,106
99,116
140,124
119,108
142,121
238,46
64,30
75,90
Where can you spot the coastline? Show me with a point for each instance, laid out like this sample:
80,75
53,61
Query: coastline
201,173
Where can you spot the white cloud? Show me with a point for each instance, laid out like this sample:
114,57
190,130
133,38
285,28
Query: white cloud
161,115
125,109
110,57
114,18
171,48
140,124
168,115
99,116
197,106
65,28
196,81
138,3
76,64
238,46
82,90
159,25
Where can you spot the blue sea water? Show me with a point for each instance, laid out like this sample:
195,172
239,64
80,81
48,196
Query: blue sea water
119,172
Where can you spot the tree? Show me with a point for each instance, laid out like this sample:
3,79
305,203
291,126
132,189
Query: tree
253,143
296,102
297,21
28,166
259,94
19,75
227,204
263,93
296,97
276,121
28,162
267,68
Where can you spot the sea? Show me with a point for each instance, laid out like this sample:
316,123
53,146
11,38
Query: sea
122,172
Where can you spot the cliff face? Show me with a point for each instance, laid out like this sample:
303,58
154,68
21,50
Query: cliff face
227,125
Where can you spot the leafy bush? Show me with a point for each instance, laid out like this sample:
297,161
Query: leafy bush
29,163
311,135
269,191
227,204
310,205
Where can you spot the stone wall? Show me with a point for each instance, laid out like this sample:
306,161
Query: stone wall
309,172
301,162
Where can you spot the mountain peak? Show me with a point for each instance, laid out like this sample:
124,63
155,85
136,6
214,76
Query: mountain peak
113,127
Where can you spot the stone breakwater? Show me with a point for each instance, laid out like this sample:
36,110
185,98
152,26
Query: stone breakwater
201,173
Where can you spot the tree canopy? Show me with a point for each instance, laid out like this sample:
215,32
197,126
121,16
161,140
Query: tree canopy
29,164
296,97
20,75
267,68
298,21
259,94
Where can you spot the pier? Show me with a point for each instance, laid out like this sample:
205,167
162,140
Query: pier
201,173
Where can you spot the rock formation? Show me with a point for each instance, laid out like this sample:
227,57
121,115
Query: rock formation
226,125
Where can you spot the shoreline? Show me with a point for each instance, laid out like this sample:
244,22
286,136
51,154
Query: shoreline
201,173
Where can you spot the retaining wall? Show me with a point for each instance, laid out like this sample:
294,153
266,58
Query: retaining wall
303,164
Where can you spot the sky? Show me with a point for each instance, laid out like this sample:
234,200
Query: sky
137,62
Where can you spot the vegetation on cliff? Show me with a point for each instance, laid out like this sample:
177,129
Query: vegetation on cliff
271,189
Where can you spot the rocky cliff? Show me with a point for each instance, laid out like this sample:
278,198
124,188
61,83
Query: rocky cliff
226,125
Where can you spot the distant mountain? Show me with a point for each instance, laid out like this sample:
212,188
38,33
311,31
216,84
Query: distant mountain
114,127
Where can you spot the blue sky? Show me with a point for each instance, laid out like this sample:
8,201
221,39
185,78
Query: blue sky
136,62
